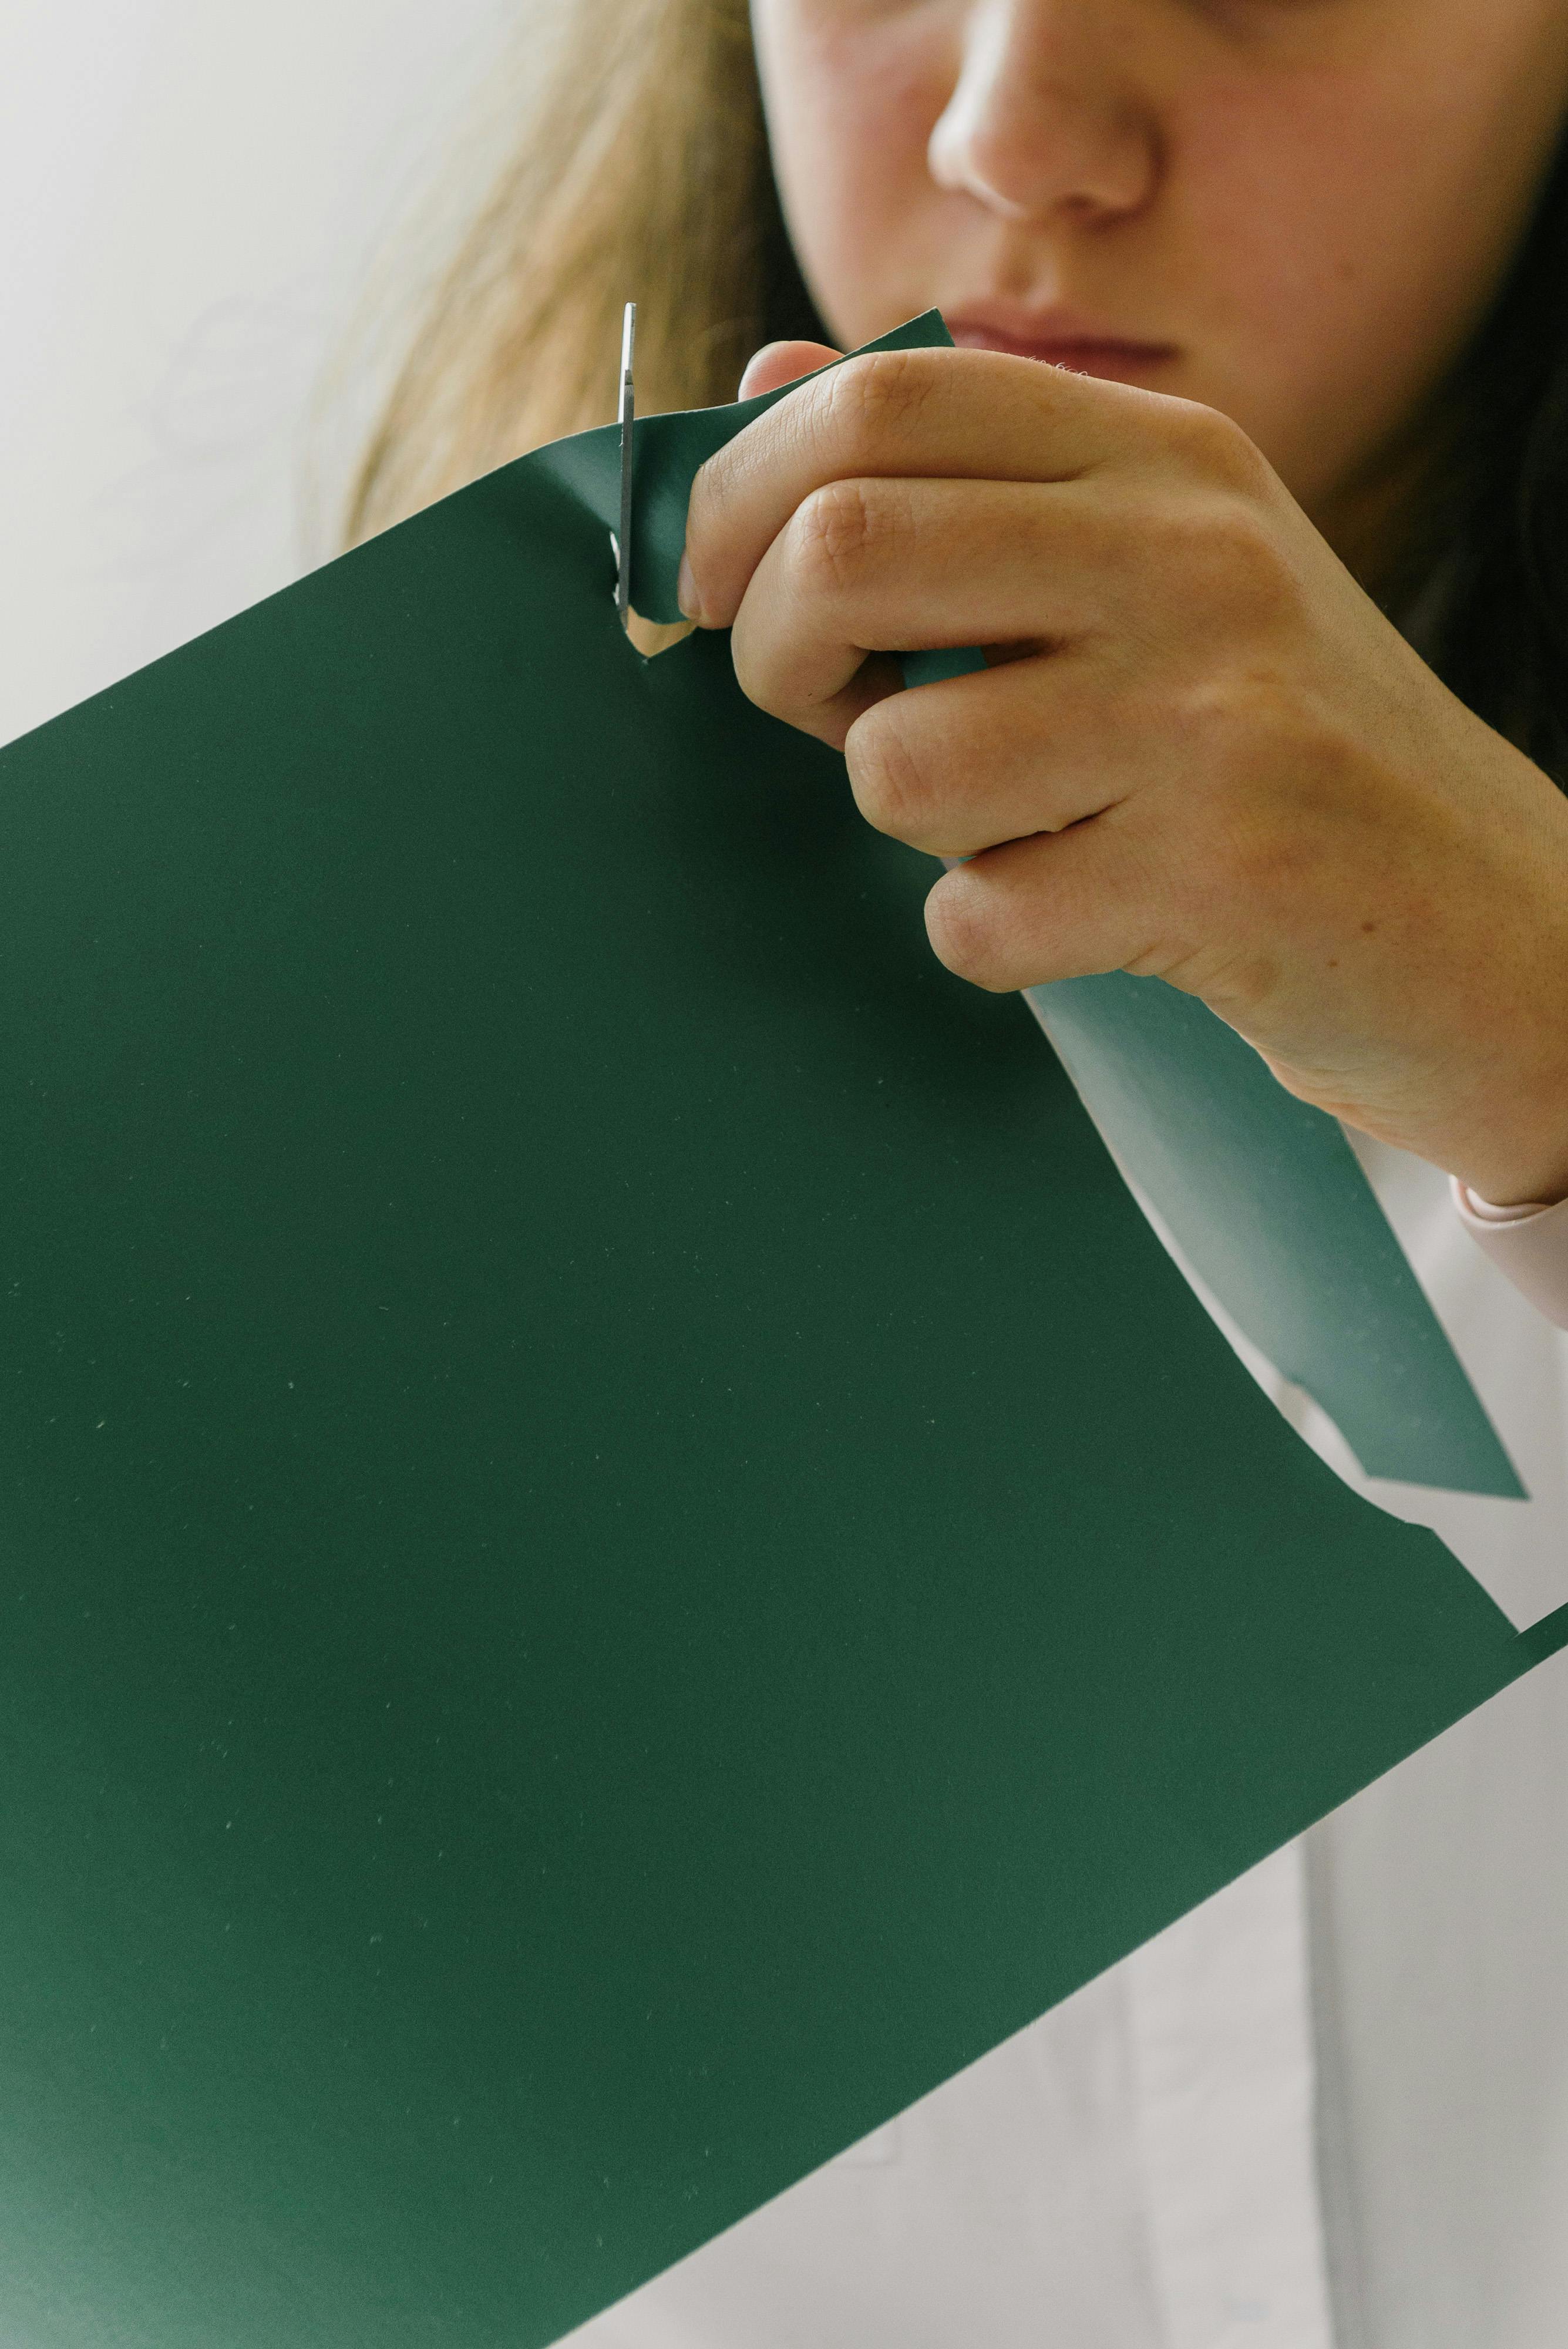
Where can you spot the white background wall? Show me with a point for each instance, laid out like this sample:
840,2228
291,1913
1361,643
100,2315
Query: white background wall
191,195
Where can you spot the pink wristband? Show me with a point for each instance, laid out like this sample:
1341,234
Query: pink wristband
1528,1243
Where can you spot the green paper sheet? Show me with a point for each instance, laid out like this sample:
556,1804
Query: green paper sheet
1261,1191
618,1548
1267,1201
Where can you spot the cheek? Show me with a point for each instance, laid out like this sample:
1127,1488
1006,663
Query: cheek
851,97
1352,239
1311,320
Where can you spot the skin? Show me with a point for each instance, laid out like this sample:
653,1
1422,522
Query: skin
1200,750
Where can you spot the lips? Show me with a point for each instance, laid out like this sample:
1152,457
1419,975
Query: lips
1062,340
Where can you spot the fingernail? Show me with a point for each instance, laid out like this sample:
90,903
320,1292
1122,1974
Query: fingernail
686,594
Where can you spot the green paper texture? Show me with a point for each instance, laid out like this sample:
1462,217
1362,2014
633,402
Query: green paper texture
1268,1204
619,1549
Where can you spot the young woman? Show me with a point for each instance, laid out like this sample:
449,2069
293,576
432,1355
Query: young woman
1251,474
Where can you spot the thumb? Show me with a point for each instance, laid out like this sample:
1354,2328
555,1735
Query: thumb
780,362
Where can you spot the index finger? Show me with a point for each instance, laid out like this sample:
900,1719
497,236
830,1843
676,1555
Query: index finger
965,415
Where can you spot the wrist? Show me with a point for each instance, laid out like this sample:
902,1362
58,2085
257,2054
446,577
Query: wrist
1517,1195
1512,1166
1512,1008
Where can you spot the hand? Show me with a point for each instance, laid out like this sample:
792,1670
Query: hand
1199,752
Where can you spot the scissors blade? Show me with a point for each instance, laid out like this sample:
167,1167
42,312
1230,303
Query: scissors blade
628,418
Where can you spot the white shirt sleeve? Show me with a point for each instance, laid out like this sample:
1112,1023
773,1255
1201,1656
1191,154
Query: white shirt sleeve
1529,1243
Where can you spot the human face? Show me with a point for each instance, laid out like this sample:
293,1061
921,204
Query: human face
1292,210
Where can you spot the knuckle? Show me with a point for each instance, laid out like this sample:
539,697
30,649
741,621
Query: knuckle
1251,719
892,789
873,397
1234,720
1249,559
756,676
1270,773
711,486
834,532
963,933
1228,558
1216,444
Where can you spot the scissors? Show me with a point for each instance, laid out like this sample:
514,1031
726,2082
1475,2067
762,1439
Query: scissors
622,543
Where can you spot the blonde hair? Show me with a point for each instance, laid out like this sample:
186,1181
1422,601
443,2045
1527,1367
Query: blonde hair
640,173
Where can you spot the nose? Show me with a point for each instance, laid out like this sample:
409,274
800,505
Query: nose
1044,117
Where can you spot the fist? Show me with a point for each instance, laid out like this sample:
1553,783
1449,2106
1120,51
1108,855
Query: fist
1198,752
